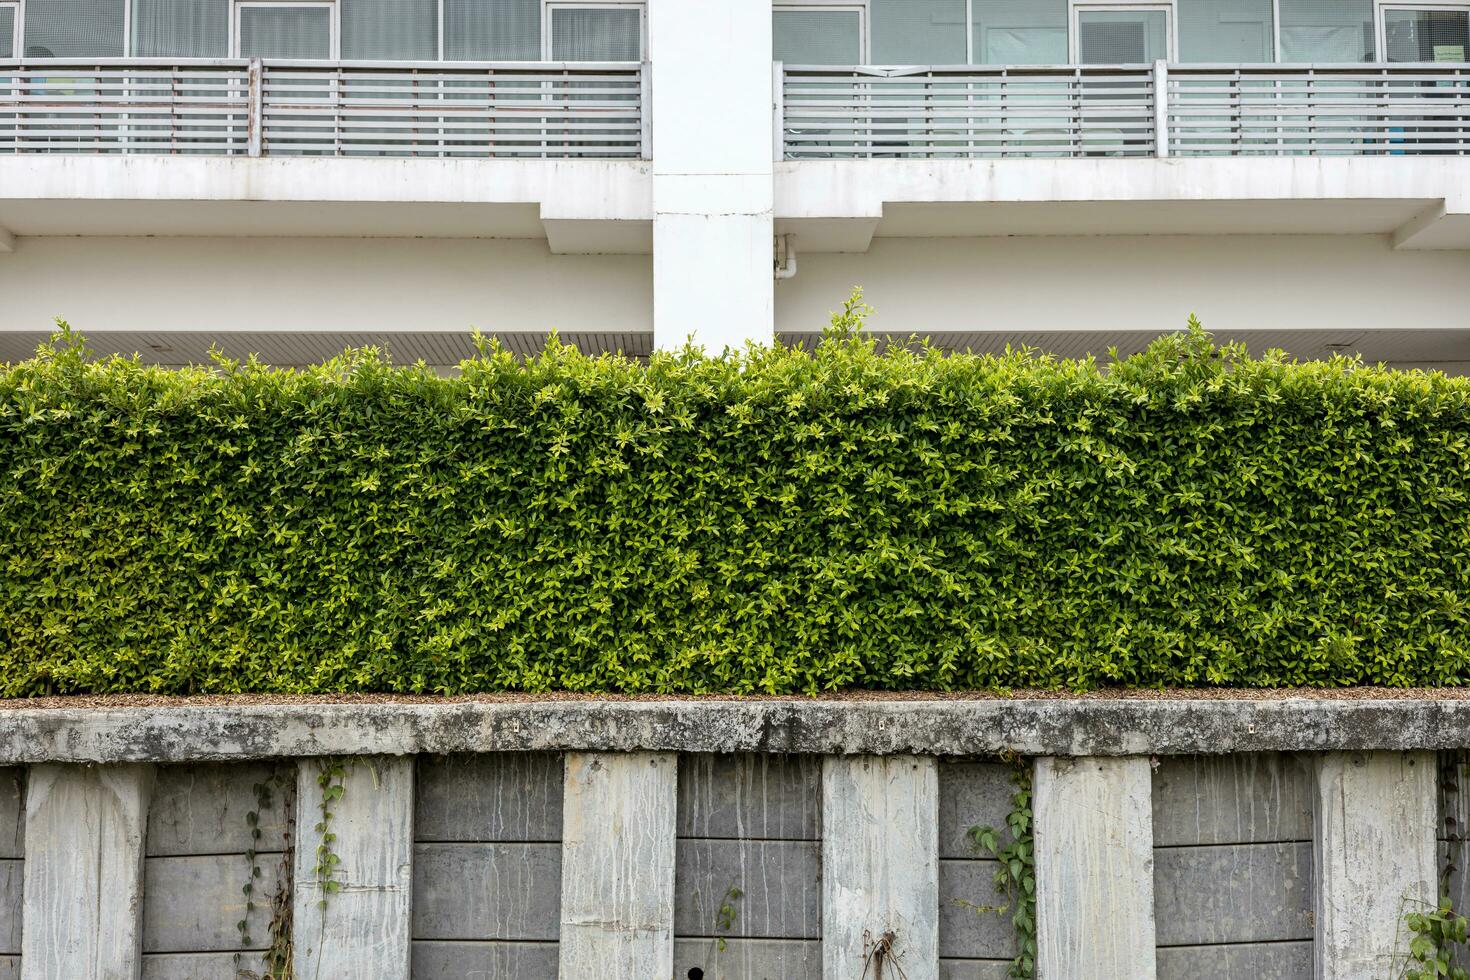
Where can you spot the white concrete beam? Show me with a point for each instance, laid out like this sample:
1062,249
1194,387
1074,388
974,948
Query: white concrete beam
1374,858
82,913
617,865
880,867
7,241
362,928
1094,868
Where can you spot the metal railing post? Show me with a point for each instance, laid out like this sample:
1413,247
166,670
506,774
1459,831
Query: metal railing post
778,109
1161,109
645,110
254,105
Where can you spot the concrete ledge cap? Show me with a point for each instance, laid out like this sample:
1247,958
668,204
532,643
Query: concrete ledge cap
1068,727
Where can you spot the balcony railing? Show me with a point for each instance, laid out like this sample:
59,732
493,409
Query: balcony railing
271,108
1122,110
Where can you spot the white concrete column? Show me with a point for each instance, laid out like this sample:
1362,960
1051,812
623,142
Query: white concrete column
82,915
880,866
1094,868
358,929
1374,858
713,187
617,865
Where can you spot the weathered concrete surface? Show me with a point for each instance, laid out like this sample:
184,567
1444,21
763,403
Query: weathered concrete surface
1094,869
197,966
780,884
880,865
1374,858
483,961
200,809
971,923
497,797
1237,893
750,797
1266,961
507,891
363,930
194,904
84,871
749,959
617,870
958,727
1233,799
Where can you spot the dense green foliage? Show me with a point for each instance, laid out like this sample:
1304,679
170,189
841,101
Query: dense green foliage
774,521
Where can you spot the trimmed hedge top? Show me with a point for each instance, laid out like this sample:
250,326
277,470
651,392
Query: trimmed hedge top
773,521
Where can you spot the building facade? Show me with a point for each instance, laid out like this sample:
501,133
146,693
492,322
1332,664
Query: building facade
294,177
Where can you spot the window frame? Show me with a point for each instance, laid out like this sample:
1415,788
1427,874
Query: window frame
1079,7
548,6
334,25
18,28
1381,9
859,7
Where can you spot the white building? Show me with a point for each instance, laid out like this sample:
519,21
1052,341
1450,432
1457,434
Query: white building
292,176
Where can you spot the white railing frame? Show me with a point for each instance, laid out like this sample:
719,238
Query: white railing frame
1311,109
144,105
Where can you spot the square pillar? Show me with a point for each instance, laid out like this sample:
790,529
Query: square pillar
1094,868
82,914
359,927
617,865
880,866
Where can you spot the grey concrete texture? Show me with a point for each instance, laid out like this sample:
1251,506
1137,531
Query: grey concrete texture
12,813
198,966
749,959
484,961
203,809
1064,727
12,874
972,794
1268,961
780,884
1236,893
509,891
974,919
193,904
974,969
494,797
1232,799
750,796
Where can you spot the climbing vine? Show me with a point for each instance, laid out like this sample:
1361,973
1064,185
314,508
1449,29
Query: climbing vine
727,913
331,778
277,956
1016,876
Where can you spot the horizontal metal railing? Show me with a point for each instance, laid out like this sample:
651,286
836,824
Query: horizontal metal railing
1121,110
259,108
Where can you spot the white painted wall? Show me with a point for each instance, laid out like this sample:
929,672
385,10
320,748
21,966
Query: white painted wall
222,285
713,160
1140,283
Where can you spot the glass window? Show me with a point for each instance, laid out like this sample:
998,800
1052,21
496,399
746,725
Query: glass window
818,37
1426,35
492,30
1020,32
1326,31
74,29
181,28
596,34
917,32
285,32
7,32
390,30
1122,37
1225,31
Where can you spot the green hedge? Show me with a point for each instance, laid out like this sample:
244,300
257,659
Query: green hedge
777,521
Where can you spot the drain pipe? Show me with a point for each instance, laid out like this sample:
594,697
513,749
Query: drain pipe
785,257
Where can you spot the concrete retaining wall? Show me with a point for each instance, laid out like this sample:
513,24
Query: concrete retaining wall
1233,888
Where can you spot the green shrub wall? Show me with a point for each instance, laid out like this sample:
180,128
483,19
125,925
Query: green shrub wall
778,521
